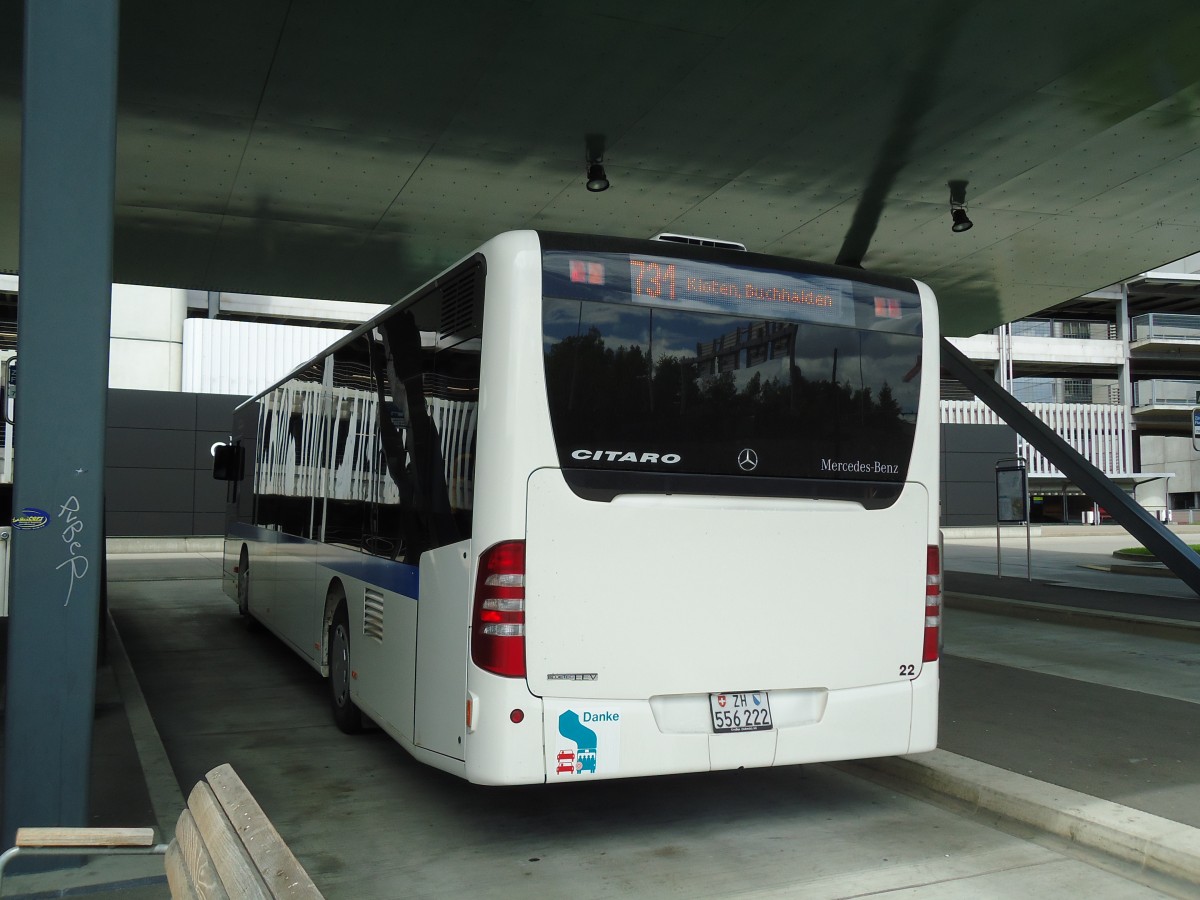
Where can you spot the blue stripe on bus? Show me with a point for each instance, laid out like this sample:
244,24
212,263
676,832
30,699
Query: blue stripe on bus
398,577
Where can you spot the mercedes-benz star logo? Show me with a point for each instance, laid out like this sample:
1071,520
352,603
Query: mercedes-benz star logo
748,460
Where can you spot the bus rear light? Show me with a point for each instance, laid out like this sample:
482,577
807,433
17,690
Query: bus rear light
933,604
498,622
517,716
504,629
495,606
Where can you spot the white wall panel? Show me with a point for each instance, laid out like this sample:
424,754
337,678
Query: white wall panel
225,357
143,365
146,329
1097,431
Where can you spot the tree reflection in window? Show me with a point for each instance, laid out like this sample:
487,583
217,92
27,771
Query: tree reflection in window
659,380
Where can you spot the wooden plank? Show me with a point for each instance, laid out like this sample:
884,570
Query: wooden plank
196,859
58,836
239,875
279,867
178,877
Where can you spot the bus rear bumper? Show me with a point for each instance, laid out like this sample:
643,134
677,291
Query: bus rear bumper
586,739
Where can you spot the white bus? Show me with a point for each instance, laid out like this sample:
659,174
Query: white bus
587,508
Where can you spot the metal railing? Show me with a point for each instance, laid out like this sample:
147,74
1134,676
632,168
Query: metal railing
1098,432
1166,327
1164,392
1104,391
1065,328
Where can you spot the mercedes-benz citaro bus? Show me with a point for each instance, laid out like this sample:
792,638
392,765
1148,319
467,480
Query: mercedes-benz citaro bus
586,507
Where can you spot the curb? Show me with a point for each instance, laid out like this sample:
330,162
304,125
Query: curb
1162,845
979,532
118,545
1148,559
1155,571
165,796
1153,626
1051,530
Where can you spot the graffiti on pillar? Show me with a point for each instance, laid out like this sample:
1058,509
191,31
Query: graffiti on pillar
75,563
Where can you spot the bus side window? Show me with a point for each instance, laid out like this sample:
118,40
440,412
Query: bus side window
285,485
428,523
453,398
352,481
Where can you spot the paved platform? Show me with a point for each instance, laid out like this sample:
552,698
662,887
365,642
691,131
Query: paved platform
1006,593
1019,698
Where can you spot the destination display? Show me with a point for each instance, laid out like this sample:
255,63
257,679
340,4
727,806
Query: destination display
702,286
728,287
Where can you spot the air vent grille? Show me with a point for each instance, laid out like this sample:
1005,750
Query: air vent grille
698,241
460,295
373,615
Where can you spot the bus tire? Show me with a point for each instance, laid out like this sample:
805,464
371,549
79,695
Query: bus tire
345,713
243,583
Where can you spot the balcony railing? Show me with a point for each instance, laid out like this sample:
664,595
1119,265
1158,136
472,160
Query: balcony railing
1166,327
1161,392
1065,328
1030,389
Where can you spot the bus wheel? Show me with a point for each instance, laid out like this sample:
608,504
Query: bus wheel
243,583
345,713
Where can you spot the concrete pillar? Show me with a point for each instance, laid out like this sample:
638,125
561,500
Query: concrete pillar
1124,335
68,150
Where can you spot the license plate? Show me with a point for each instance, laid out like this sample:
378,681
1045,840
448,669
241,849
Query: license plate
748,711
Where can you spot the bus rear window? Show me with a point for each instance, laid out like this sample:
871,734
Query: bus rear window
648,387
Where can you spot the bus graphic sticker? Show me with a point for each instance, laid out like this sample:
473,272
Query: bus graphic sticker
566,762
31,519
584,757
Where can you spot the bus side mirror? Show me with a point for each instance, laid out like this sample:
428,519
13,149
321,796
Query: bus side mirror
229,462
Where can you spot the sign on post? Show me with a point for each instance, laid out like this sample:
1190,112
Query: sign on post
1012,494
1196,428
1012,505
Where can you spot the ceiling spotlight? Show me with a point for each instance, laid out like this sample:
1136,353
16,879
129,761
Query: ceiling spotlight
596,179
958,207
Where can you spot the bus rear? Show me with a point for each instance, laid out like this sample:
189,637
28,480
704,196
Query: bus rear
727,544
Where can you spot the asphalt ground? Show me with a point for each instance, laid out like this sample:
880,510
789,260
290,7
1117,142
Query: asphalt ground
1079,731
1124,746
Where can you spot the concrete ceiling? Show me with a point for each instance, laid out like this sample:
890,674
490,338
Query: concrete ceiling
349,151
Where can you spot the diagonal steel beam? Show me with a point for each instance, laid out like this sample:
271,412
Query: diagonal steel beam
1156,537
